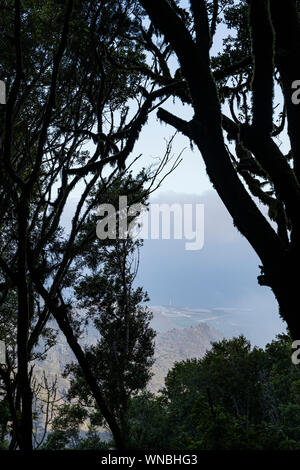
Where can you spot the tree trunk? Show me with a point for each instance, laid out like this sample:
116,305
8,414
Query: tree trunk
23,329
282,279
286,289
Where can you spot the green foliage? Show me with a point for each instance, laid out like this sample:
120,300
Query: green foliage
71,70
235,397
66,430
122,357
217,429
149,424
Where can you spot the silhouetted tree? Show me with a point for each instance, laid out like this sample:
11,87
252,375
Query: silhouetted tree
65,89
264,52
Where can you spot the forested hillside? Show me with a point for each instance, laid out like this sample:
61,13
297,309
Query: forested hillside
84,87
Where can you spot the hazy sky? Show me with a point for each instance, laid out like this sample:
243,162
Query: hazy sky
222,274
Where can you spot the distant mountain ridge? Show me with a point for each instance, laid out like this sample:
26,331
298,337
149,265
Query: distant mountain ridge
171,345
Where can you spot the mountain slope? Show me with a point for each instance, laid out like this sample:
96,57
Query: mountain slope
177,345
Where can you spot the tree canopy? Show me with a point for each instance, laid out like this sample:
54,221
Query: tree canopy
243,96
81,79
